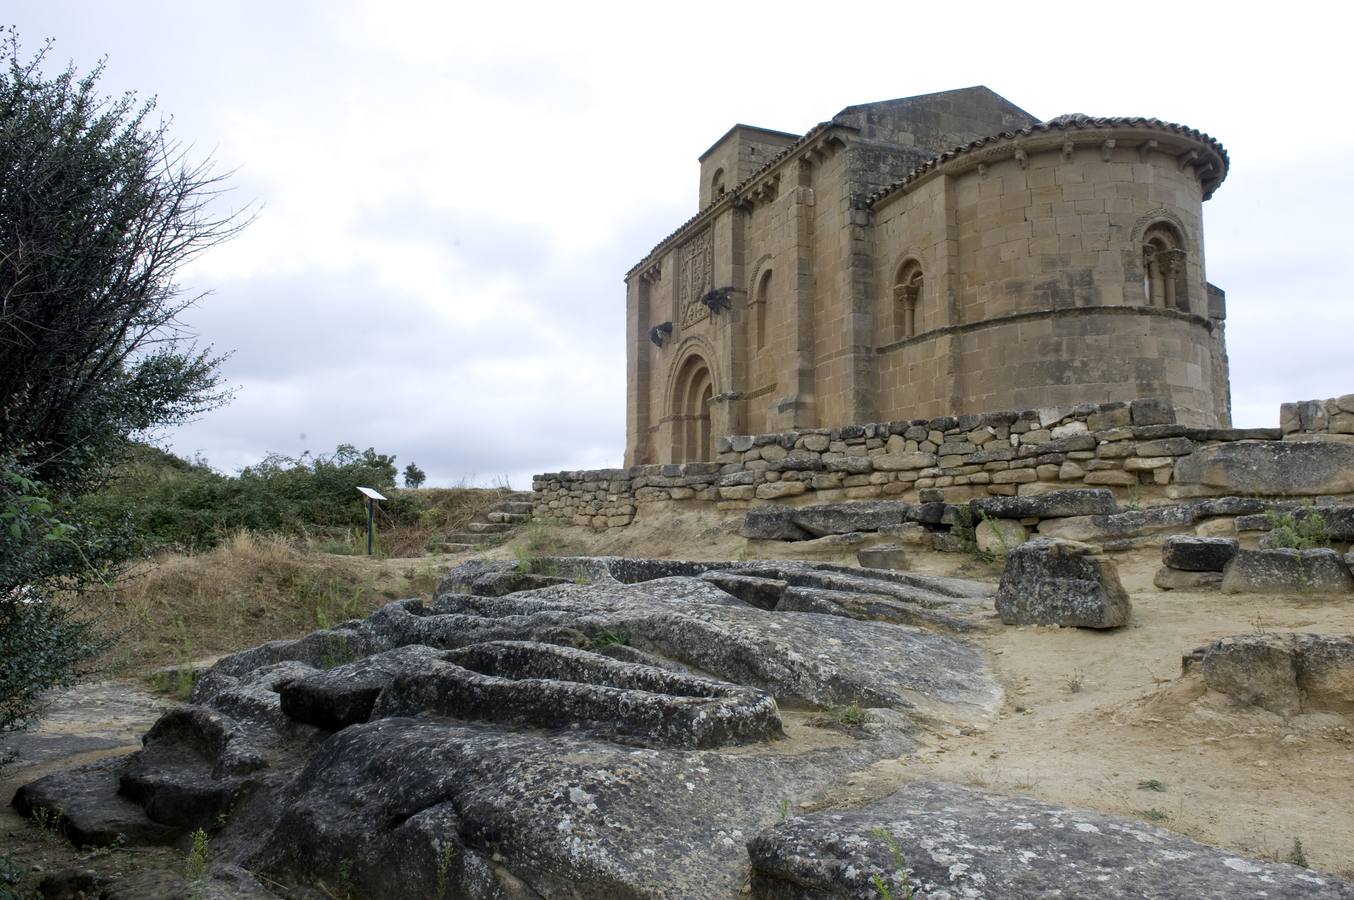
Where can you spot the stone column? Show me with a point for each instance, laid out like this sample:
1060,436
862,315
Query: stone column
795,408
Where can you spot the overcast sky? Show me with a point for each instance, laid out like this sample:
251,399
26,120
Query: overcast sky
451,193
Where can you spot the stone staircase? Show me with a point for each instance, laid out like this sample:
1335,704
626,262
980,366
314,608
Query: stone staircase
491,527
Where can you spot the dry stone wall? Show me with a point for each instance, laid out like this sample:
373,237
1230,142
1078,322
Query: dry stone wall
1135,448
1318,420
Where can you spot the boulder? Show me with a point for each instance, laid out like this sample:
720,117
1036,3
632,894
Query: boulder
1319,571
1056,582
1273,468
1051,505
1198,554
946,841
1168,579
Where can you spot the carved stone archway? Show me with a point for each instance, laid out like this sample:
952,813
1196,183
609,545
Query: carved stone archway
690,405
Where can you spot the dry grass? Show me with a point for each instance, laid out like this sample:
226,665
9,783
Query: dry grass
248,590
445,510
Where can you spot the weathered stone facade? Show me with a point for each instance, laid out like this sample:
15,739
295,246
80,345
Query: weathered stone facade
935,255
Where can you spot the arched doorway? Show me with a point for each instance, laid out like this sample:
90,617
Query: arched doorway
691,395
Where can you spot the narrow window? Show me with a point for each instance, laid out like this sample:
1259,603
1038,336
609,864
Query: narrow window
1164,282
759,317
717,185
907,296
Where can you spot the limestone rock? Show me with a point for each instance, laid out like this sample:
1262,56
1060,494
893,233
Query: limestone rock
1051,505
535,743
1320,571
841,518
1198,554
958,842
1283,673
1131,524
1272,468
772,523
1168,579
1056,582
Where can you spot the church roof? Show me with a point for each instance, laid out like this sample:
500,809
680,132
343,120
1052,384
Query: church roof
1068,122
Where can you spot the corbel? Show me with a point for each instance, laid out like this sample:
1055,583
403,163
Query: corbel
1107,150
1145,149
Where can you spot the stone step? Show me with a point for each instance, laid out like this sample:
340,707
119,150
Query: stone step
513,506
488,527
510,518
476,538
449,547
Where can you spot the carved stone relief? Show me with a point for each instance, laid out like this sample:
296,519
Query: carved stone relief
696,276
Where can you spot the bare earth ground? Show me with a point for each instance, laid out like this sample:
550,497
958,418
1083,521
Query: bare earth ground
1092,719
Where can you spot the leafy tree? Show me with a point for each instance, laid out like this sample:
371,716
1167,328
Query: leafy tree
98,210
414,476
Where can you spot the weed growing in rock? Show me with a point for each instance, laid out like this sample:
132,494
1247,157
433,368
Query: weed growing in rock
853,715
345,877
1153,815
610,639
444,870
47,820
1287,531
1297,856
1152,784
197,862
1075,682
899,865
784,810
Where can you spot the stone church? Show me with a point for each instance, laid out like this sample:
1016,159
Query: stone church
933,255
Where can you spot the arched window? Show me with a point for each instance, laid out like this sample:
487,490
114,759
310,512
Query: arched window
717,185
907,297
760,304
1163,268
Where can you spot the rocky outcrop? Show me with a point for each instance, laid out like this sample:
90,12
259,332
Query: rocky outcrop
1053,582
1319,571
942,840
620,737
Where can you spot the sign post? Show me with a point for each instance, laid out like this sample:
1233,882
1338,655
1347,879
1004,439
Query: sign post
373,497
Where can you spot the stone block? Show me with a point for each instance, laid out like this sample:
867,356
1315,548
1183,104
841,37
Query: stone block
1255,670
892,462
1070,471
999,536
1274,468
1148,464
816,443
738,492
883,556
1055,582
1168,579
1320,571
1053,504
1112,477
1014,476
1176,446
1152,412
1198,554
